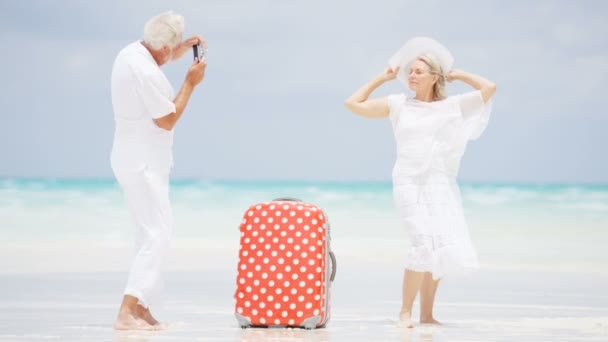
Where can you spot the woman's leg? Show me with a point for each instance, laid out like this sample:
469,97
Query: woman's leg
427,298
411,284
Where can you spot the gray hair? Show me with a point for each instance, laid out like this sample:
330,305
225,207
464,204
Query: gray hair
439,92
163,30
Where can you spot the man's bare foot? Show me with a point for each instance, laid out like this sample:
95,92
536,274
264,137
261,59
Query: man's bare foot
429,320
126,321
405,320
146,315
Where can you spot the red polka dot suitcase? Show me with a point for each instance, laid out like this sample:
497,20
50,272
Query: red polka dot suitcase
285,267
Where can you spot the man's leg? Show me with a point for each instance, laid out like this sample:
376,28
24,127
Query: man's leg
147,196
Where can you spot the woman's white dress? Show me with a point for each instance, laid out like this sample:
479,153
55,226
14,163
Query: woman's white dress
431,138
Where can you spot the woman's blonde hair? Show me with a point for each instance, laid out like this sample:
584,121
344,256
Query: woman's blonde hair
439,92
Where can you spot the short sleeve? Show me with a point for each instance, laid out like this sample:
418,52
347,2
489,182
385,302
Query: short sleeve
475,113
158,102
396,103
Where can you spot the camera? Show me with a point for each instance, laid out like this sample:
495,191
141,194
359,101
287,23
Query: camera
199,51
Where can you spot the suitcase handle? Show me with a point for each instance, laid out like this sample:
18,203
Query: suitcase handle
287,199
333,266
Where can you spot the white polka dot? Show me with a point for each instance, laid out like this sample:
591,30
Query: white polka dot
272,207
243,266
261,240
311,276
306,227
262,320
319,243
245,253
253,246
289,254
259,253
247,240
262,226
294,276
289,240
267,246
277,306
273,268
242,281
275,240
299,220
241,295
291,227
250,213
284,314
292,213
286,298
313,235
319,270
277,226
287,268
270,298
248,289
300,207
318,283
280,276
256,282
266,260
254,312
247,304
278,291
309,291
296,247
312,248
255,297
284,220
311,262
308,305
300,314
305,241
281,261
239,310
271,283
258,267
286,283
256,220
292,306
294,291
303,269
269,313
262,305
296,261
263,290
264,213
264,275
291,322
285,207
307,213
316,312
298,234
301,299
277,321
317,297
314,221
283,233
277,213
270,220
268,233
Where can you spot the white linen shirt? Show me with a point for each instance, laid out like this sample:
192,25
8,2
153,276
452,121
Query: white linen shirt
140,93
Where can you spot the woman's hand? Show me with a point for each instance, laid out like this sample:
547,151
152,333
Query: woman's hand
389,74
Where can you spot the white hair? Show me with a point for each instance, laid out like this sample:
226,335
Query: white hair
163,30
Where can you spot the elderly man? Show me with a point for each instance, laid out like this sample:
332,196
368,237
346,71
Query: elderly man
145,113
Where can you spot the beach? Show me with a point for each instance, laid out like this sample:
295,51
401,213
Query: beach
65,247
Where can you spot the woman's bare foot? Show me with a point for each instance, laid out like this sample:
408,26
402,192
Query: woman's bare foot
126,321
429,320
146,315
405,320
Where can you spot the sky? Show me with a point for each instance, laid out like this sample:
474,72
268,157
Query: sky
271,105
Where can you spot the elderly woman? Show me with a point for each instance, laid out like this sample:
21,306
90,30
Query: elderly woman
145,113
431,132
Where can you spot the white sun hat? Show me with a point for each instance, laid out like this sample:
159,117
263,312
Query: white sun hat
417,47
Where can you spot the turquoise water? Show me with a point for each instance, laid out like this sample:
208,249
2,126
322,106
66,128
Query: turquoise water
546,225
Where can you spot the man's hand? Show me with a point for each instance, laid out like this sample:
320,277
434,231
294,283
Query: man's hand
187,45
196,73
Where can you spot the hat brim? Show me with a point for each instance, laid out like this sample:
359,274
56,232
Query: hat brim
417,47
